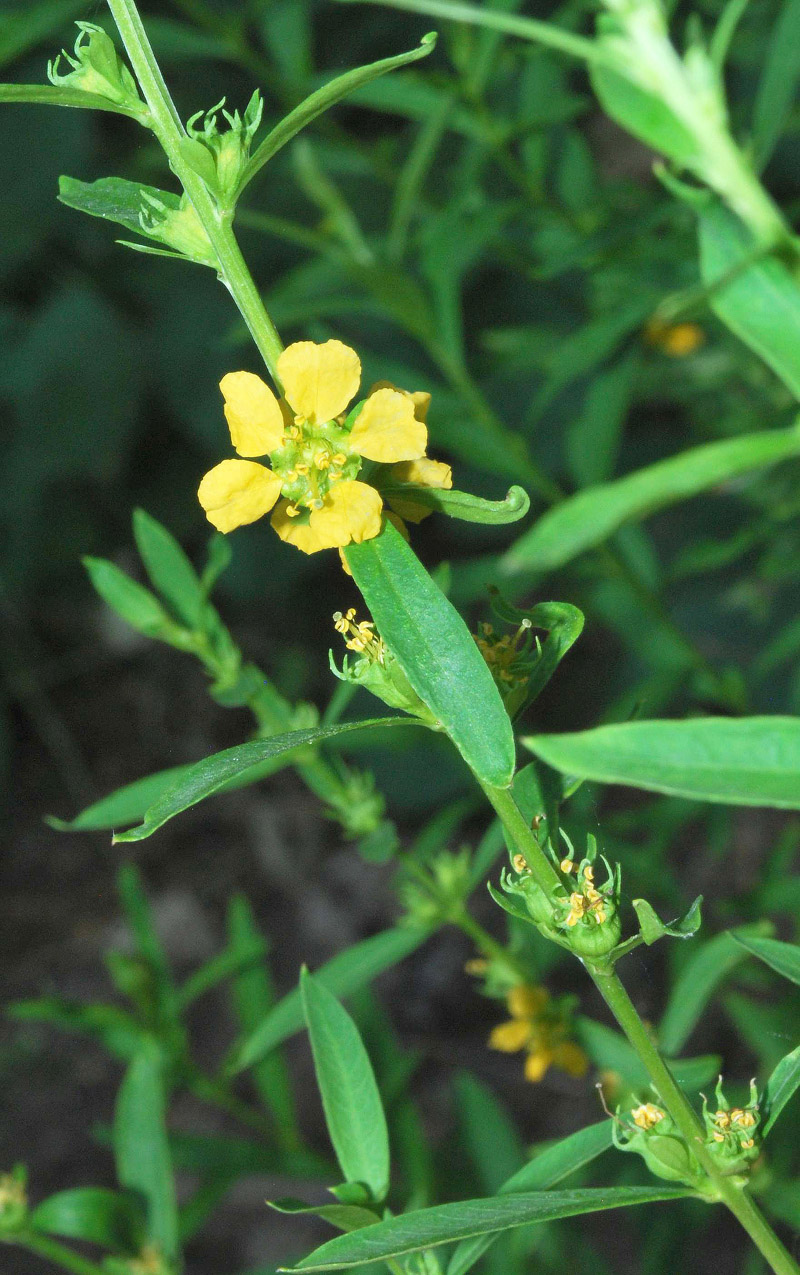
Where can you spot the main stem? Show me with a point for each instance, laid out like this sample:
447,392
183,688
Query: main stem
608,983
216,222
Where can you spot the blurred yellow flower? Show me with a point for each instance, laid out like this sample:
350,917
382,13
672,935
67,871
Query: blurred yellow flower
539,1027
316,450
677,340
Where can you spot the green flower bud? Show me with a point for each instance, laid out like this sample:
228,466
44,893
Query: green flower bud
97,68
376,669
220,158
732,1133
178,228
654,1136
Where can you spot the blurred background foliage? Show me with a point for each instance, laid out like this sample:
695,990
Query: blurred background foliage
473,226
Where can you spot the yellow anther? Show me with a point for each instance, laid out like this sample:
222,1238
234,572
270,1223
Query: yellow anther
718,1137
520,863
302,468
566,865
647,1115
588,872
747,1143
599,915
722,1119
744,1119
339,458
291,475
292,511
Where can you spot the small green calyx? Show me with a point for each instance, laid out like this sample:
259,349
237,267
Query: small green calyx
732,1133
13,1202
436,894
177,228
97,68
220,156
585,916
313,457
375,668
653,1135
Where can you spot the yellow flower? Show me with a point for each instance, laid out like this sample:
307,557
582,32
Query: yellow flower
315,450
539,1027
677,340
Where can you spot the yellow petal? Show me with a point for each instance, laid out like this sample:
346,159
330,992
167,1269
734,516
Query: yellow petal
236,492
319,380
510,1036
296,530
424,473
571,1059
420,398
351,513
525,1001
387,430
536,1064
253,414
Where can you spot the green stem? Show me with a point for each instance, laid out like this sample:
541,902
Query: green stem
50,1249
490,947
671,1095
216,222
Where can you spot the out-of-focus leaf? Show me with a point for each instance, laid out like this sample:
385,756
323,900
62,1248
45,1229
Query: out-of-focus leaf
646,115
141,1147
170,571
745,761
777,88
593,437
94,1214
124,806
707,966
761,302
23,28
590,517
350,1097
608,1049
111,1027
783,958
342,975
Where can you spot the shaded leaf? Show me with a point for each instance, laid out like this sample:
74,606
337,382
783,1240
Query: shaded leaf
781,1086
141,1148
93,1214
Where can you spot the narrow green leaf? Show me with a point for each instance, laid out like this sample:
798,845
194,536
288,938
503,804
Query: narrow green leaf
491,1140
346,1217
253,999
211,774
93,1214
113,199
745,761
608,1049
217,1154
50,95
131,602
761,302
462,504
322,100
781,1086
342,975
170,571
353,1108
593,437
444,1223
124,806
436,652
590,517
141,1148
696,983
113,1028
546,1168
777,89
783,958
645,115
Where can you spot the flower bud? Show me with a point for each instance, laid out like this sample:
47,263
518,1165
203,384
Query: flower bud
97,68
220,157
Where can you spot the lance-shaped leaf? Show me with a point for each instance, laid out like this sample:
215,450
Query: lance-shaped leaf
757,296
652,928
350,1098
95,1215
745,761
777,89
590,517
425,1228
436,651
783,958
124,806
211,774
462,504
113,199
51,95
343,974
170,571
346,1217
141,1148
781,1086
322,100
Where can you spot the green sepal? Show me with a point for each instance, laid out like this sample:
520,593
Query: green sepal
652,928
462,504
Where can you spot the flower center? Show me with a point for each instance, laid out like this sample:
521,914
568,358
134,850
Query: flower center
310,459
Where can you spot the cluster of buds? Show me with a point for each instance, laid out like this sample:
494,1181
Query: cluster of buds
97,68
220,156
511,658
732,1132
435,894
652,1134
580,914
375,668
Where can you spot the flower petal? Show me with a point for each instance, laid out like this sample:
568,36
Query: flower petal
297,530
253,413
423,473
536,1064
510,1036
387,430
525,1001
319,380
420,398
351,513
570,1058
236,492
